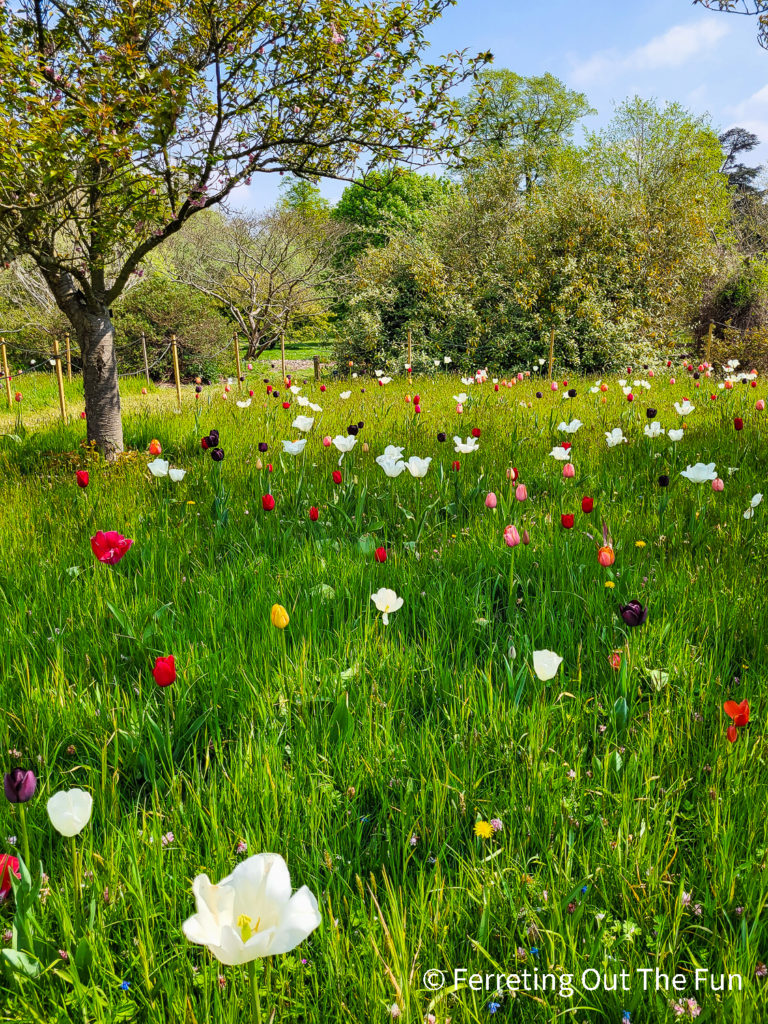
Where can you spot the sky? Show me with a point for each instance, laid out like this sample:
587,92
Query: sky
668,50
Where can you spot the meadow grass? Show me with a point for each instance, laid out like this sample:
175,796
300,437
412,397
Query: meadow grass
365,754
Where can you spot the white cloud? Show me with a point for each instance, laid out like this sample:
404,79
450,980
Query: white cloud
674,48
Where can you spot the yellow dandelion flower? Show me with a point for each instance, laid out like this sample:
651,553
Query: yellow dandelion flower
609,584
484,829
639,543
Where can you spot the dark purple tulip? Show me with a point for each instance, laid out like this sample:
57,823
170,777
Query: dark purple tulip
360,425
19,785
263,446
213,437
217,454
352,429
539,394
198,389
572,393
664,480
441,436
650,413
634,614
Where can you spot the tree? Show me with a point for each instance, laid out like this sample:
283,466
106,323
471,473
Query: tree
121,120
754,8
530,118
740,177
303,197
268,271
386,201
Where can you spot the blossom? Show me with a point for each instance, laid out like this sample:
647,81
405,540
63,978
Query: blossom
418,467
380,554
560,453
70,811
267,502
511,536
570,428
460,399
685,408
700,473
314,514
159,467
490,500
718,484
279,616
251,913
294,447
465,447
243,405
164,672
19,785
345,395
336,476
568,470
344,443
303,423
177,475
653,429
484,829
545,664
110,547
386,601
587,504
633,613
738,423
393,467
614,437
155,448
82,477
567,520
521,492
675,435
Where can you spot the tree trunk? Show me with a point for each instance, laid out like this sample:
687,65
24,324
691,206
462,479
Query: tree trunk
96,337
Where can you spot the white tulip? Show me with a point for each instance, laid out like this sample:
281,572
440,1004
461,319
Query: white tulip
303,423
465,447
70,811
546,664
385,380
159,467
294,389
386,601
379,373
294,447
392,452
447,360
392,467
302,400
344,442
460,399
177,475
700,473
570,428
345,394
315,407
675,435
561,454
615,437
251,913
684,408
756,499
243,405
417,467
653,429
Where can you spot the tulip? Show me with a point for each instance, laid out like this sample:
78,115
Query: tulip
267,502
605,556
567,519
459,408
490,500
417,408
512,474
314,514
553,386
760,405
521,492
545,664
380,555
336,476
634,614
417,399
663,480
259,464
442,437
19,785
511,536
568,471
456,466
82,477
70,811
630,397
155,447
217,454
251,913
279,616
322,387
110,547
671,380
587,504
8,865
164,671
717,484
17,396
739,713
475,431
738,423
526,537
615,660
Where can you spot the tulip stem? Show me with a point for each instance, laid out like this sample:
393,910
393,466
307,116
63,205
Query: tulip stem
24,836
255,993
75,869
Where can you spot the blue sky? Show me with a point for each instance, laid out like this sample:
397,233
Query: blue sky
609,49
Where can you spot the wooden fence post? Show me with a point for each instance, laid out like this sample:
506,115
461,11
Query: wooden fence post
237,361
6,373
316,361
59,379
410,349
69,357
144,352
282,354
551,351
710,332
176,369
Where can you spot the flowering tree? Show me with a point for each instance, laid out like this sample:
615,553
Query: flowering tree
121,120
749,7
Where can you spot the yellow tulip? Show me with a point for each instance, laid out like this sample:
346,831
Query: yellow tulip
279,616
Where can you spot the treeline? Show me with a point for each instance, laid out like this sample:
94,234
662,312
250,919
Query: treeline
627,243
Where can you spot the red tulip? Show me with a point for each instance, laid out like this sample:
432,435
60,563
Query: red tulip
630,397
17,396
475,431
155,448
336,476
110,547
512,474
417,399
567,519
740,715
267,502
615,660
587,504
322,387
380,554
165,671
286,405
313,514
566,445
456,466
738,423
270,389
204,444
8,864
82,477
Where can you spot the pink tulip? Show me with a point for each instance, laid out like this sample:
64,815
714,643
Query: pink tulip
490,500
417,408
521,492
651,373
759,405
250,366
568,471
327,442
717,485
671,380
520,377
511,537
459,407
553,386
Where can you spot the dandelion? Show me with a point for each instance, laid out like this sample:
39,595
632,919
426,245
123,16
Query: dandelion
484,830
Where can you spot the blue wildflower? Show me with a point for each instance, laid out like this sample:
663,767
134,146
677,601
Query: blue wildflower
625,1017
493,1007
534,951
125,985
584,890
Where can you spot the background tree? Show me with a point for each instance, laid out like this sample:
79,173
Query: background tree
529,118
740,177
121,120
268,271
755,8
303,197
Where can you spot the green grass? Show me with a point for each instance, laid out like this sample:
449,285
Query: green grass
365,754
